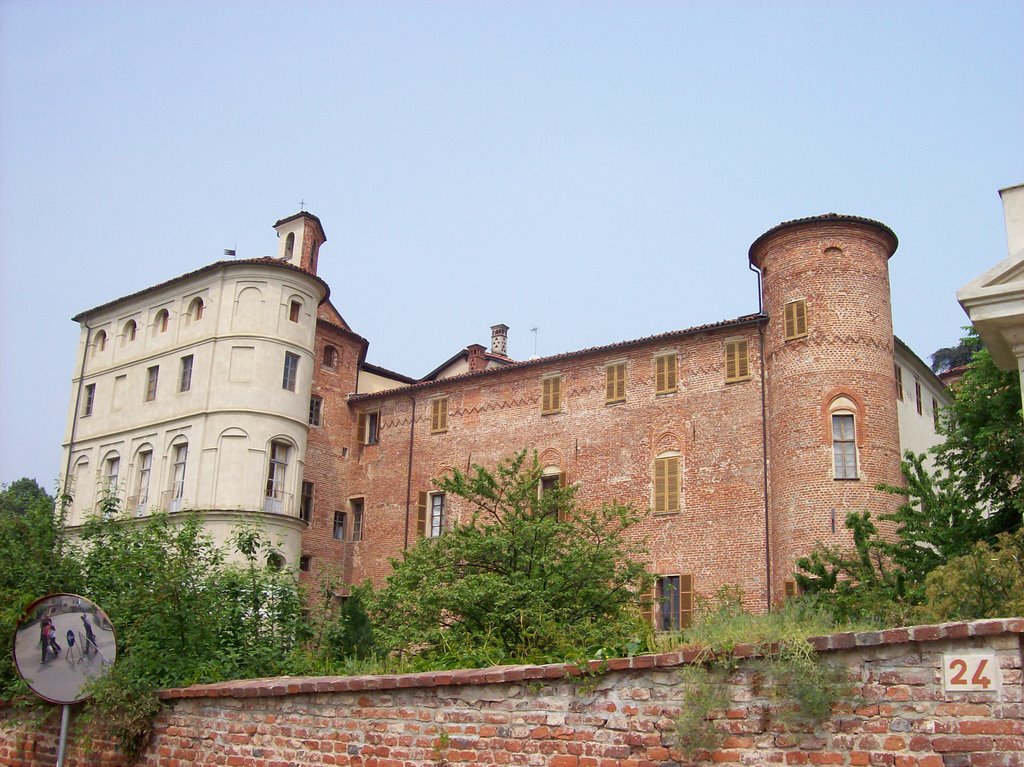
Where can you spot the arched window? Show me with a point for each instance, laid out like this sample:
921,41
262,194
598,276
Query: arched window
100,343
161,321
330,357
128,334
277,470
843,416
195,309
289,246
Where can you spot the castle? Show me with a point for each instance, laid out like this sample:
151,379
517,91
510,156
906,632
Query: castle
239,390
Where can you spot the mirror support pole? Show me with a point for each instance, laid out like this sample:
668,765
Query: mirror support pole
65,717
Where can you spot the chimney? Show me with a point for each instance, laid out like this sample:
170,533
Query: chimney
499,340
477,360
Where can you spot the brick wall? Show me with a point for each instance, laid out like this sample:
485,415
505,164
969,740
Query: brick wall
898,715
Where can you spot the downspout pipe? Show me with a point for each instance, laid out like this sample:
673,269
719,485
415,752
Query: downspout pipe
764,443
408,474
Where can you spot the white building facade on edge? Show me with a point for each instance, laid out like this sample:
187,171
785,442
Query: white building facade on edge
995,300
194,394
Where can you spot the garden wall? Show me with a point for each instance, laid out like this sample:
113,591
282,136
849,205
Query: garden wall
900,713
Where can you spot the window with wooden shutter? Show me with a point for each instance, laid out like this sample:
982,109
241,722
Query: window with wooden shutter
899,382
737,365
796,319
615,383
367,424
665,373
790,589
666,485
421,514
647,607
439,415
673,598
551,395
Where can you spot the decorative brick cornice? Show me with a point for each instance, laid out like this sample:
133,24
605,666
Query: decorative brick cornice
279,686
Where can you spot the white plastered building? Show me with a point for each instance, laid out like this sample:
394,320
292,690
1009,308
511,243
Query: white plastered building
194,394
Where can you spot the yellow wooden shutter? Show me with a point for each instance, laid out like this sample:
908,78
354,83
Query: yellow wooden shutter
551,395
439,415
665,373
796,319
790,589
647,607
659,486
615,383
421,515
672,484
666,485
685,601
361,428
737,366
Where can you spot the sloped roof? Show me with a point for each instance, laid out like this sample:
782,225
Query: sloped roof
263,261
747,319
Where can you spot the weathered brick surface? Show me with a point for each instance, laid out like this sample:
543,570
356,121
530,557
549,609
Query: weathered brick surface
837,265
548,716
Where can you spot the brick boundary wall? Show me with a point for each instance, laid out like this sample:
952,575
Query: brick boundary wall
620,715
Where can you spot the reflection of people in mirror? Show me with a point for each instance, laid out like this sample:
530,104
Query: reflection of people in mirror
48,638
90,637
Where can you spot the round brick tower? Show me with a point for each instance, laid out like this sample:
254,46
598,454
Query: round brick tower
832,431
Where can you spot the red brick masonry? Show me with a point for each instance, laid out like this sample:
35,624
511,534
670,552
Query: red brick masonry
621,716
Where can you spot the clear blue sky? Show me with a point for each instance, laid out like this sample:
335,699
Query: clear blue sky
597,170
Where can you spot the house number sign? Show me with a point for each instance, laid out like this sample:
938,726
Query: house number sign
971,672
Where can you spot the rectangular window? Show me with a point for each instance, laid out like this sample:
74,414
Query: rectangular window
367,427
306,502
142,490
665,373
277,469
899,383
737,364
550,483
666,485
316,406
340,521
935,413
791,589
551,395
439,415
113,471
917,395
356,507
178,481
293,311
796,319
844,446
615,383
430,515
185,380
152,375
305,563
674,602
90,399
291,371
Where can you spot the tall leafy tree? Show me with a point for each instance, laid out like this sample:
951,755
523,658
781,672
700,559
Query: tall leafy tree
983,450
529,575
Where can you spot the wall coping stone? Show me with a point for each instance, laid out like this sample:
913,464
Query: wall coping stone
279,686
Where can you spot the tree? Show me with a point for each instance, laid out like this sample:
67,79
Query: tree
951,513
529,576
35,562
951,357
983,450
